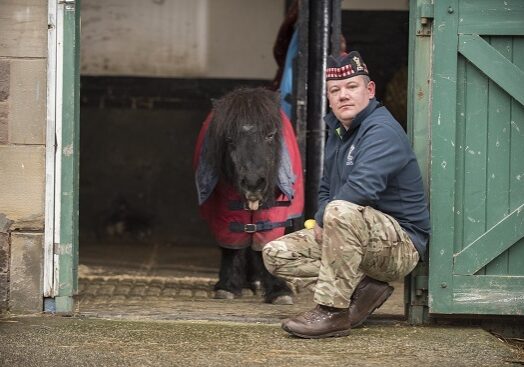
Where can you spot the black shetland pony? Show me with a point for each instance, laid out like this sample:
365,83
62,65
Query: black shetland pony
238,170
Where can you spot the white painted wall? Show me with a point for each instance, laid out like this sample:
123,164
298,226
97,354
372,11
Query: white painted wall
241,37
180,38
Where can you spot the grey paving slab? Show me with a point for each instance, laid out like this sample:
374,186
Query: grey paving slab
59,341
151,304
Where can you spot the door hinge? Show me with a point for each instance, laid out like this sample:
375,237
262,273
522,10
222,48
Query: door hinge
69,4
421,284
425,19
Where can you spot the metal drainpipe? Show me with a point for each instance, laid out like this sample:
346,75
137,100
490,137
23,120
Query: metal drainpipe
336,27
319,37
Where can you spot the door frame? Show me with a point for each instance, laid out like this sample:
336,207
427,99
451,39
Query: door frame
62,157
61,243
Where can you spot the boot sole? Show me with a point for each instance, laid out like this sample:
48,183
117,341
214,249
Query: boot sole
380,301
333,334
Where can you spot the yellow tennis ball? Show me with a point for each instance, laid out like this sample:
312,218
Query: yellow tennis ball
309,224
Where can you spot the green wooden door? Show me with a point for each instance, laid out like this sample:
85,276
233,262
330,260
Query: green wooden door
477,158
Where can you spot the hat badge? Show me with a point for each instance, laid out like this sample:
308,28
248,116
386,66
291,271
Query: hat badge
356,59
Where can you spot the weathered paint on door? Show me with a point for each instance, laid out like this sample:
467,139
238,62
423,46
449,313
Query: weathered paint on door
418,126
66,248
477,166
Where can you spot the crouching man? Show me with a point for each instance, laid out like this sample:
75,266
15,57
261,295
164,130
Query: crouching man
372,223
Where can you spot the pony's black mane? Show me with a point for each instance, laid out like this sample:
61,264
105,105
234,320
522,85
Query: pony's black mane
244,106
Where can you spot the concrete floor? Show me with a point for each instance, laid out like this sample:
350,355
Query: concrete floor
152,306
87,341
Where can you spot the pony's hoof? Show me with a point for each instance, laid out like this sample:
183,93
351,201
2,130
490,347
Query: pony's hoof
223,294
256,287
283,300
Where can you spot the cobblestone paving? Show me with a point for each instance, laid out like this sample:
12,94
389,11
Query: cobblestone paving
159,282
99,288
191,298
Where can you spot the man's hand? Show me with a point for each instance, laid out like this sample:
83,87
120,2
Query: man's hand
318,233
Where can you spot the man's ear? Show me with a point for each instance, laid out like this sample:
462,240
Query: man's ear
371,89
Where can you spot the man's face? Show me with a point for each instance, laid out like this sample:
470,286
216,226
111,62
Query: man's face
348,97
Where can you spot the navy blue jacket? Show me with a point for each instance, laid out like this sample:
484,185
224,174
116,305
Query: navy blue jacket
372,164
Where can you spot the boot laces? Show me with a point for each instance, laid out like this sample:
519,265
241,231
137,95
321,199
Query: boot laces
318,314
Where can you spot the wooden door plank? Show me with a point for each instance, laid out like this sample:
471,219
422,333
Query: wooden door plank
499,117
459,146
475,154
516,192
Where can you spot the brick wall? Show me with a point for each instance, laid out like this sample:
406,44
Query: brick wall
23,80
4,270
4,95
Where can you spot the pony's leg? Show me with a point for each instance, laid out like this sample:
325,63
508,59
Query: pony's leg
275,289
232,274
255,271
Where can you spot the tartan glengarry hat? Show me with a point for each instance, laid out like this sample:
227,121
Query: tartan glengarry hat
345,66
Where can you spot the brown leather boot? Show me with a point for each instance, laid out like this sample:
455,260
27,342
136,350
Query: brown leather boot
320,322
369,295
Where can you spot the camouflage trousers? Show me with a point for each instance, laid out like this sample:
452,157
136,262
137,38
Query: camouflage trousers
356,241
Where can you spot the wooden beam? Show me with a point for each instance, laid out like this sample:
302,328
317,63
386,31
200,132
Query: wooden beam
486,295
492,63
492,243
505,17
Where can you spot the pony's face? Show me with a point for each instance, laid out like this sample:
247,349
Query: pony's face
254,156
244,143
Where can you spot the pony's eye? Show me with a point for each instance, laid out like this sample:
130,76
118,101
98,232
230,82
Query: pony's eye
270,136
